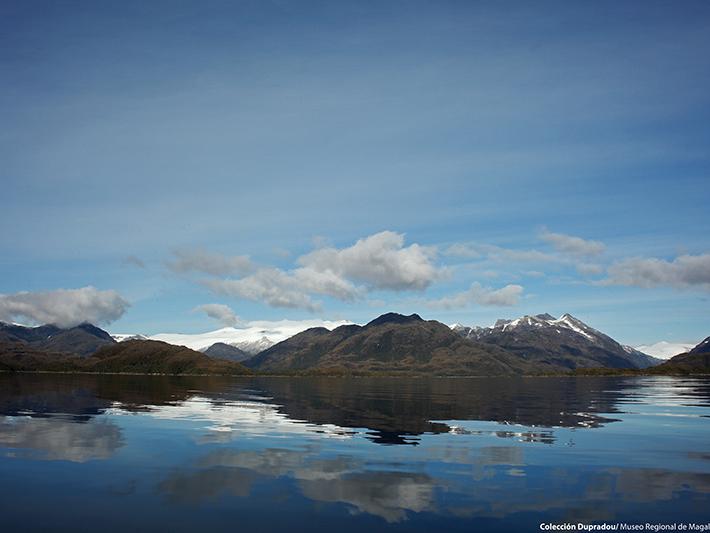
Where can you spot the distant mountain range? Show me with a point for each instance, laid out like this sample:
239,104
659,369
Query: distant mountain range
253,338
665,349
565,342
696,360
82,340
129,357
391,343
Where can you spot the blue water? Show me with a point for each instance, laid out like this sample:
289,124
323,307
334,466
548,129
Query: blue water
120,453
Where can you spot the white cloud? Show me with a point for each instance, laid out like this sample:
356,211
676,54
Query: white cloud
569,244
271,286
63,307
292,289
684,271
60,440
486,296
199,260
380,261
220,312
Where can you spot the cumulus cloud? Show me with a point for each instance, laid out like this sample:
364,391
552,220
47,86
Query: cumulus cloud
486,296
684,271
271,286
198,260
569,244
293,289
63,307
220,312
380,261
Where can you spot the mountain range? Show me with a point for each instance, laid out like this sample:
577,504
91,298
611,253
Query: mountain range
391,343
665,349
82,340
693,361
251,338
566,342
129,357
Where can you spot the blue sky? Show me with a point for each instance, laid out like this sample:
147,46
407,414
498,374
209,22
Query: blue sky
481,138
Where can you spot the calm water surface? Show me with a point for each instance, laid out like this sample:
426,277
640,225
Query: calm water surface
142,453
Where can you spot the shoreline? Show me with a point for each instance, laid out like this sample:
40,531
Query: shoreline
573,374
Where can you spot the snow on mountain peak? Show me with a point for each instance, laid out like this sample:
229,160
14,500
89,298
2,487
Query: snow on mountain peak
545,320
665,349
120,337
254,337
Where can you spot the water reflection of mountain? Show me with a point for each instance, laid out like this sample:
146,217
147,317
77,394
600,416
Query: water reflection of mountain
58,417
248,445
82,396
393,411
396,410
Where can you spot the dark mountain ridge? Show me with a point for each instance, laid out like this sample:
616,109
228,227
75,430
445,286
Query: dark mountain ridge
391,343
222,350
129,357
82,340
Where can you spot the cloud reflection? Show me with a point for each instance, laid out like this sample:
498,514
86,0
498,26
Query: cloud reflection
58,439
344,479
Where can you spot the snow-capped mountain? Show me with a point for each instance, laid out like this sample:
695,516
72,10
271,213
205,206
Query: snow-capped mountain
544,321
564,341
253,338
666,350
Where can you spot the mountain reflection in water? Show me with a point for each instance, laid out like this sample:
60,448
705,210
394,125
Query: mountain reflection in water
201,452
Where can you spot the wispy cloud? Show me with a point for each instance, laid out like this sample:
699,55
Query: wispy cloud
462,250
569,244
199,260
63,307
589,269
491,252
134,261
